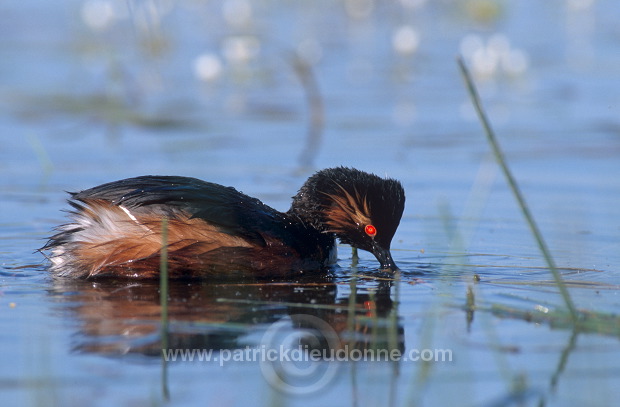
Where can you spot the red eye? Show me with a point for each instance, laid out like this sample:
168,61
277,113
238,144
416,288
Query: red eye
370,230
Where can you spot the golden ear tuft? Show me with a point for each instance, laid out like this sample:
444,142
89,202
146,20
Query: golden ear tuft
348,209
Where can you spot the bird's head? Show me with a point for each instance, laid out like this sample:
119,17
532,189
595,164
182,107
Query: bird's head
361,209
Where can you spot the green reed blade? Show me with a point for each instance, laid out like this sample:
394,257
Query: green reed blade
512,183
163,299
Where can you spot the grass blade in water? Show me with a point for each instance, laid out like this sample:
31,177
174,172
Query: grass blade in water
163,299
499,155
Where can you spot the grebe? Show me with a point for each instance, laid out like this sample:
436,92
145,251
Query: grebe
115,229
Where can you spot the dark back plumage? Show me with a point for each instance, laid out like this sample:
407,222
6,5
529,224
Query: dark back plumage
166,196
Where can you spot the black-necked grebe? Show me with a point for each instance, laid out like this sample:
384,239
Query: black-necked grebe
217,232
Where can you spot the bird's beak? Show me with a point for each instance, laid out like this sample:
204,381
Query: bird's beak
385,258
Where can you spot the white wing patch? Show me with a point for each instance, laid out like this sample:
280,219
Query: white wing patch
128,213
133,218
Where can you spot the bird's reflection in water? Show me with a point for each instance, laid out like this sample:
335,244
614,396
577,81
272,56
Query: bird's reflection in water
120,317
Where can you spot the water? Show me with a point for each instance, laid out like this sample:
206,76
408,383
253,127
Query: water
95,91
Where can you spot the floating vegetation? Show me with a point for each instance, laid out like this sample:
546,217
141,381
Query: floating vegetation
106,109
587,321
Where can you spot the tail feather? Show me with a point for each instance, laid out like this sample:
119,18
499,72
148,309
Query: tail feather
103,237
